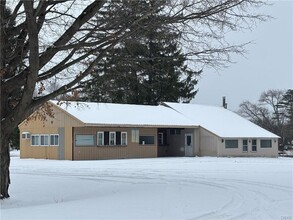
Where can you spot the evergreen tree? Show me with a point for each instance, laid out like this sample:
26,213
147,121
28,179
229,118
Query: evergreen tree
146,68
287,103
14,140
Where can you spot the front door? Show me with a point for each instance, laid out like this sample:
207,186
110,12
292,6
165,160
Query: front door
188,145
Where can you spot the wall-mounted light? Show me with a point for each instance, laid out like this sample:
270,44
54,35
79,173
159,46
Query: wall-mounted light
223,140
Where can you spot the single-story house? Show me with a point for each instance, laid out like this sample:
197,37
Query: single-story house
91,131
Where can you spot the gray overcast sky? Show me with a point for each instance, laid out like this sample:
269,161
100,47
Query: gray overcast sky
267,65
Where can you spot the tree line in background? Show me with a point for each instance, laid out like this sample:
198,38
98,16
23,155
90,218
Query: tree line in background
274,112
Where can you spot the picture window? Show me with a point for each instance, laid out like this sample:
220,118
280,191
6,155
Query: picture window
231,144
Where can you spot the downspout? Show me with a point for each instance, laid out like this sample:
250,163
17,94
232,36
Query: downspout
72,143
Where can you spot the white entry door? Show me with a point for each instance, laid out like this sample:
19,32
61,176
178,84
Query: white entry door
188,145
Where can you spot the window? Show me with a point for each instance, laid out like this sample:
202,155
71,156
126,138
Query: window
146,140
135,135
44,140
244,145
118,137
124,138
84,140
175,131
231,144
100,136
25,135
253,145
105,138
35,140
161,138
54,140
265,143
188,139
112,138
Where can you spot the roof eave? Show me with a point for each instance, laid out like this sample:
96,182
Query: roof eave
138,125
256,137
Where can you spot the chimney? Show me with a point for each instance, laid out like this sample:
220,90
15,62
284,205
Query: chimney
224,102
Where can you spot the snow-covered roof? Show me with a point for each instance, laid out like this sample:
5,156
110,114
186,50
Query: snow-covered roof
220,121
124,114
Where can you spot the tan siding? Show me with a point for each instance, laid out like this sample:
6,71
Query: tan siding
44,152
132,150
196,142
50,126
226,152
260,152
68,143
269,152
208,143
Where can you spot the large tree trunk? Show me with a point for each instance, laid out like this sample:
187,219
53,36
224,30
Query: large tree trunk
4,139
4,162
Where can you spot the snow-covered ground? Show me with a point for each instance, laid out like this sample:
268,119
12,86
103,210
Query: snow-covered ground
161,188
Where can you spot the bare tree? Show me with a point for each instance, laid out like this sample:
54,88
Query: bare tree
44,41
267,112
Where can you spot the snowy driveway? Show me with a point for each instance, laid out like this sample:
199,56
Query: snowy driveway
161,188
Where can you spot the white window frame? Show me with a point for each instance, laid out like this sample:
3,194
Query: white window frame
39,137
54,144
110,138
123,133
25,135
247,141
44,136
32,138
98,134
254,145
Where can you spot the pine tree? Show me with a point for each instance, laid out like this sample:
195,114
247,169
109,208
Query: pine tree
287,103
146,68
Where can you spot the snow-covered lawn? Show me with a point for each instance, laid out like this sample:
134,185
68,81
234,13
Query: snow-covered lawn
161,188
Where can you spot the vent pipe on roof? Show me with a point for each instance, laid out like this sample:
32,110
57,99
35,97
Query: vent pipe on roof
224,102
